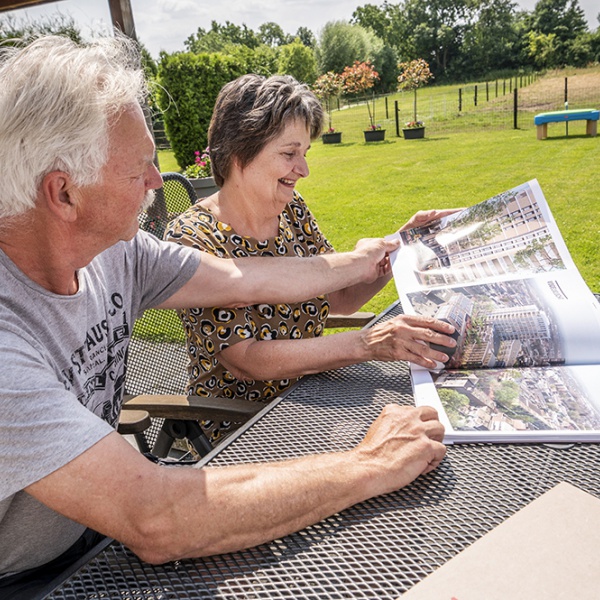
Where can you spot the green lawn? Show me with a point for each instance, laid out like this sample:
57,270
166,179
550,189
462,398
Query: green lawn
363,190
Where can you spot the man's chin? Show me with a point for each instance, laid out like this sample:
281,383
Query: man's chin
149,198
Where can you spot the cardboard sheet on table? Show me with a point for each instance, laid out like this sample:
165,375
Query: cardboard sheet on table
548,549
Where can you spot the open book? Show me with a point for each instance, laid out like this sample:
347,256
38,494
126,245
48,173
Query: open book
527,364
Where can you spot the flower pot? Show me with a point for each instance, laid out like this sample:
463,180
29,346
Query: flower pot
332,138
204,186
414,133
374,135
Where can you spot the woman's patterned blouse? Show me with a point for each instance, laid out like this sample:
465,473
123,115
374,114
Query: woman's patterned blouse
210,330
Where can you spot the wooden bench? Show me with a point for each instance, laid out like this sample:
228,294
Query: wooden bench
564,116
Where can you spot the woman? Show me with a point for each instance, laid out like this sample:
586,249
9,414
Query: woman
259,134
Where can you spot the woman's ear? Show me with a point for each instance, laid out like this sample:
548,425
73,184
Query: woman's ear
58,193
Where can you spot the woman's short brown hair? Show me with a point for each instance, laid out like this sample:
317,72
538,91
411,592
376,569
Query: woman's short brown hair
251,111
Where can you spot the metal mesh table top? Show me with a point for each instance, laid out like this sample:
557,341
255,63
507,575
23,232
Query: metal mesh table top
376,549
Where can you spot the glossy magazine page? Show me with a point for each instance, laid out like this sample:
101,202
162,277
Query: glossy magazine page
527,361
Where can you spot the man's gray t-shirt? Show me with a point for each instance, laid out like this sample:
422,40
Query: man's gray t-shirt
62,372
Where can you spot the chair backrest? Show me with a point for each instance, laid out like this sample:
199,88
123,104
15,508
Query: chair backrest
157,359
176,195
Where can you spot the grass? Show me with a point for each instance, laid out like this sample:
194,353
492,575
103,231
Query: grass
167,161
365,190
362,190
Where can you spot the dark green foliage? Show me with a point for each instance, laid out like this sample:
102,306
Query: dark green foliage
341,44
466,39
220,36
190,84
564,24
307,37
273,35
299,61
25,29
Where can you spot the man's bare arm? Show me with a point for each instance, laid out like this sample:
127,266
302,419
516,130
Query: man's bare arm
165,513
245,281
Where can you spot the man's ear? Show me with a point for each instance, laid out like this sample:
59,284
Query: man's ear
58,192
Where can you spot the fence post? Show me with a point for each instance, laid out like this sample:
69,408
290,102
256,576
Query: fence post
387,115
475,96
567,104
397,118
515,109
496,88
504,87
510,86
487,91
459,99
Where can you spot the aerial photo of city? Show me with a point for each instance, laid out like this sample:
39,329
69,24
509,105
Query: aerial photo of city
545,398
505,235
500,325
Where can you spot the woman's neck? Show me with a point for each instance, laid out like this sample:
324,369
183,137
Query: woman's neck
246,215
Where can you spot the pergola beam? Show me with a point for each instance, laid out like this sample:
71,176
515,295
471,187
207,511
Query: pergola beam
122,17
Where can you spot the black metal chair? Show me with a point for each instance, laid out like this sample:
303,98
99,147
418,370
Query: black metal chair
157,360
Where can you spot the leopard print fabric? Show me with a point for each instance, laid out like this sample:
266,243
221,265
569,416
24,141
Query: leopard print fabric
211,330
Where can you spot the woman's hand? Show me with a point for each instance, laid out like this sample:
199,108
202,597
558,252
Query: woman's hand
423,217
384,267
408,337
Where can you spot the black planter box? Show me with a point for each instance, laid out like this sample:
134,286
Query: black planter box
374,135
332,138
415,133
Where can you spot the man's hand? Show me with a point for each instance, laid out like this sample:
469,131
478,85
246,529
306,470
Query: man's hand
407,337
376,252
424,217
401,444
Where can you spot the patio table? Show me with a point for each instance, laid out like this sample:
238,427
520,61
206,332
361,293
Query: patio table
377,549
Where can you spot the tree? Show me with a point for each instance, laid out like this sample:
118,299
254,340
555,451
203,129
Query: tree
358,79
436,30
373,17
12,29
189,85
298,60
508,393
307,37
562,19
219,37
340,44
389,23
326,87
262,60
412,76
493,41
455,404
272,35
542,49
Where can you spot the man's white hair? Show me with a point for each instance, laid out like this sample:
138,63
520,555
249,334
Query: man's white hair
57,100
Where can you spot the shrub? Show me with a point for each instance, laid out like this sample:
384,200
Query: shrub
190,84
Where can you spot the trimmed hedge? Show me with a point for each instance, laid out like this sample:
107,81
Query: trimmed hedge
189,85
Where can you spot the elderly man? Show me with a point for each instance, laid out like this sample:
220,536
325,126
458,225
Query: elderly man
77,167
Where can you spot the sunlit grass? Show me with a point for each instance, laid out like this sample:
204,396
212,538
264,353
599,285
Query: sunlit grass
365,190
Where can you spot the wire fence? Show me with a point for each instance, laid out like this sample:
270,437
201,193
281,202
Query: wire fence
498,104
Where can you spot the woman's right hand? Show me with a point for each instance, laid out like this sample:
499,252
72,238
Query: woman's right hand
408,337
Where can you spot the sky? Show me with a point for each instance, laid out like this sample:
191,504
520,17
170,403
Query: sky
166,24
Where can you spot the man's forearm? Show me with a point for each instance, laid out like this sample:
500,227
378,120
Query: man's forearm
246,281
165,513
238,507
